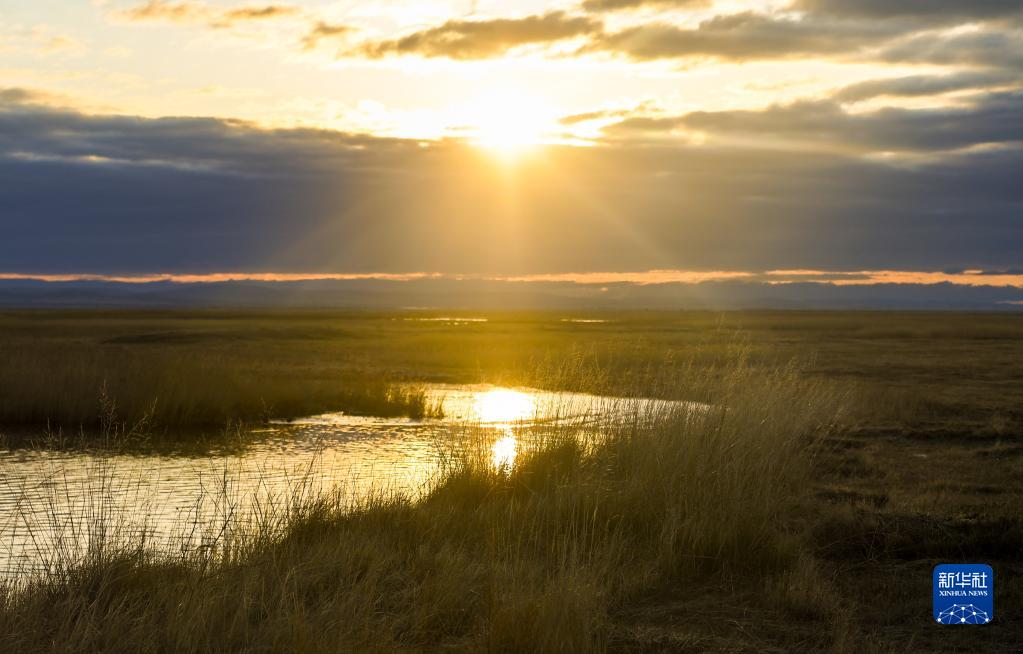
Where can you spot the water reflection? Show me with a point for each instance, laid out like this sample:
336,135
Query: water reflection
54,500
502,405
504,452
448,320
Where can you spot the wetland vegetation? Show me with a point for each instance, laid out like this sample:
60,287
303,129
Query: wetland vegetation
840,457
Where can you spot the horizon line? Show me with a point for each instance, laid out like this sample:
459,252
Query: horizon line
969,277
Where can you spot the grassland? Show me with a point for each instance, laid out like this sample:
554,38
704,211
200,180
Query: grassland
202,369
857,450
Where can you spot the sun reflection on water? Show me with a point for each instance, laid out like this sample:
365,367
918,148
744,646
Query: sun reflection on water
504,452
502,406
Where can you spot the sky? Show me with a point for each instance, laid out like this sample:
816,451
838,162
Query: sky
844,141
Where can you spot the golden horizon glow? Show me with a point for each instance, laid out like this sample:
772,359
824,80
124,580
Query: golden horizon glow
641,278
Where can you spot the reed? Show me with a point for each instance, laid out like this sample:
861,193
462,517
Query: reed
545,555
160,391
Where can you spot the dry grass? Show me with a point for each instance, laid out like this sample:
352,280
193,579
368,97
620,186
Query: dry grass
164,391
542,557
206,368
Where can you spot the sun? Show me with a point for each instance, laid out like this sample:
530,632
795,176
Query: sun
510,122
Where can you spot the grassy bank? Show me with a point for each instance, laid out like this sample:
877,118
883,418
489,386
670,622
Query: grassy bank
546,556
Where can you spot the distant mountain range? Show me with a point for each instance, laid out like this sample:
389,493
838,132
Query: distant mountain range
449,293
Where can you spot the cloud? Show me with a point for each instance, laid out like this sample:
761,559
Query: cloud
918,10
588,116
162,10
616,5
996,49
258,13
31,99
480,39
1003,278
895,32
746,36
61,43
14,96
199,12
322,31
40,39
123,194
994,119
875,30
925,85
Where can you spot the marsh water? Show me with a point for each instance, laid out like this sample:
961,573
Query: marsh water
58,504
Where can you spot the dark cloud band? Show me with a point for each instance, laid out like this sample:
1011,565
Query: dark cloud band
122,194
